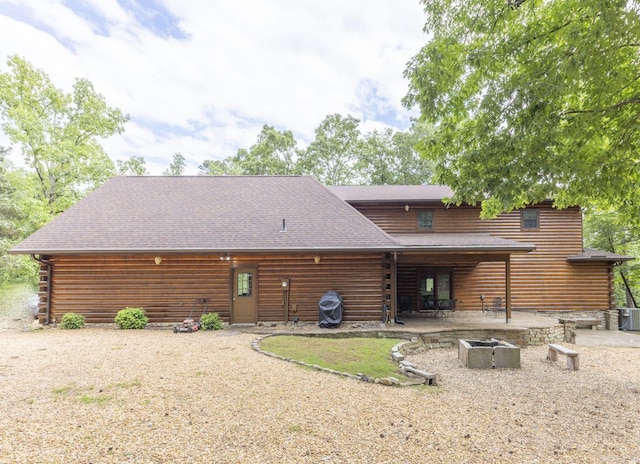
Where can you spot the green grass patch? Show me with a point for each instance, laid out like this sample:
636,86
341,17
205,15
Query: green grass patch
62,390
370,356
99,399
129,384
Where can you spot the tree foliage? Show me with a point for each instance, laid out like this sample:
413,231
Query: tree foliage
14,223
338,154
177,166
10,214
606,230
272,154
57,132
332,155
134,166
225,167
389,157
532,100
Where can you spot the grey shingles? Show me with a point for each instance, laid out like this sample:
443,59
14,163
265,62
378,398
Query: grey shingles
217,214
202,213
391,193
461,242
589,255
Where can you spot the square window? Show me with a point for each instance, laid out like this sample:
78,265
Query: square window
530,219
245,284
425,220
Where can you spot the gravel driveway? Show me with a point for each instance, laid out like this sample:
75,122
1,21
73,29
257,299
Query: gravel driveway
102,395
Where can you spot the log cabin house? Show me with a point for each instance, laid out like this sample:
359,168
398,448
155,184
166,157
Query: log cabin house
267,248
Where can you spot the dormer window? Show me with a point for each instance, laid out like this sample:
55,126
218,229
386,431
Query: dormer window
530,219
425,220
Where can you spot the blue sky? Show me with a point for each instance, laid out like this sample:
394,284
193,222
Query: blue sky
201,77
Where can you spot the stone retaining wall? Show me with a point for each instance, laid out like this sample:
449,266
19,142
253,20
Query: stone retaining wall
554,314
449,337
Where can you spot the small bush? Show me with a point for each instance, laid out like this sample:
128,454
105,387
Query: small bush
211,321
72,321
131,318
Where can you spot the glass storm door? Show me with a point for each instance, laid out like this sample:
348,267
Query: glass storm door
435,288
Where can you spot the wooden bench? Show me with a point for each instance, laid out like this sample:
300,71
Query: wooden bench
572,356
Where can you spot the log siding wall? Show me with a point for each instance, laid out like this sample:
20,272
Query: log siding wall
98,286
540,280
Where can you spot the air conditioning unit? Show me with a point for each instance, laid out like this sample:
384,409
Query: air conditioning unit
629,318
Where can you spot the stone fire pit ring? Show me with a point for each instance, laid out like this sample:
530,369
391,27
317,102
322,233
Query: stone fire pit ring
488,354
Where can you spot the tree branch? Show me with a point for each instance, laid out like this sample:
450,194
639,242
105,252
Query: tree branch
630,101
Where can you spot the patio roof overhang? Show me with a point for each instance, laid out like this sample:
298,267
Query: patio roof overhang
589,255
460,243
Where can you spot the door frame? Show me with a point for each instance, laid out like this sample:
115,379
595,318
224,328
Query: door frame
434,272
253,268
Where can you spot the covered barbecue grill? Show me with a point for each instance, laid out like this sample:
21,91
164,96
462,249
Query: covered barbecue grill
330,310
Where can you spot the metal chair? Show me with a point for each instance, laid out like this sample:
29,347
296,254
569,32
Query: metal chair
447,307
405,304
497,306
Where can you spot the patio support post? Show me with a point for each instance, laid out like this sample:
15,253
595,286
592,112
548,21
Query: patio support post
508,281
394,287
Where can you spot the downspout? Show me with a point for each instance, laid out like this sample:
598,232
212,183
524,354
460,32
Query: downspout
49,267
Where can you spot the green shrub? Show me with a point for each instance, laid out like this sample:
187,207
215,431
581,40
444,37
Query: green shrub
131,318
72,321
211,321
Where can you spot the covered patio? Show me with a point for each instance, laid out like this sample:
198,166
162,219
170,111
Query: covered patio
441,274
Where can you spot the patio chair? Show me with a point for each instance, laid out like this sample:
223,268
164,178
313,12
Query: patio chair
405,304
497,306
447,307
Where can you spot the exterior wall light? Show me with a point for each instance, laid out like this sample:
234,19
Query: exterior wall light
158,260
406,207
316,259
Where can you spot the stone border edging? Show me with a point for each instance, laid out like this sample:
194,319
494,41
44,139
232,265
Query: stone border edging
387,381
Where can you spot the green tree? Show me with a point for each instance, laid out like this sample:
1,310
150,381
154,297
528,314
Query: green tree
388,157
177,166
608,230
272,154
225,167
13,224
333,154
57,132
134,166
532,100
9,212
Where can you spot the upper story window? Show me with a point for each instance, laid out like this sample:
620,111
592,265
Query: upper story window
530,219
425,220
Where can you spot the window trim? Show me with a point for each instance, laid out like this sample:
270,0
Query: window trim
524,220
425,229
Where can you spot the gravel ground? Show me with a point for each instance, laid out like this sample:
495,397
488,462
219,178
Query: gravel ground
102,395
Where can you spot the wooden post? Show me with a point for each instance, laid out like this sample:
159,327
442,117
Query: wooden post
508,281
394,287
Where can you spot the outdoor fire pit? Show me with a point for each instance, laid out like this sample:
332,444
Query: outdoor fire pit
488,354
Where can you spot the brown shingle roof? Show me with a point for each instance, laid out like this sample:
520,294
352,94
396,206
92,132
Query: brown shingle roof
207,214
590,255
461,242
391,193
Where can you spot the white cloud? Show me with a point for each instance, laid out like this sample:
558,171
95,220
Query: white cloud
235,66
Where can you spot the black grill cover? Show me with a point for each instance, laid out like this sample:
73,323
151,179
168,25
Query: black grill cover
330,310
